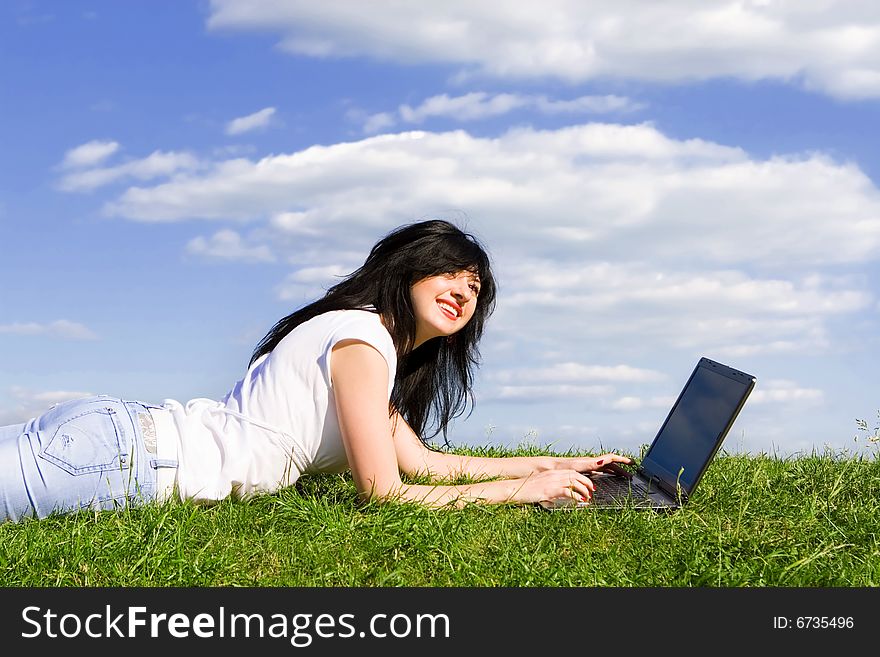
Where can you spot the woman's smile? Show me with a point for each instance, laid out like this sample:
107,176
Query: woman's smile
449,308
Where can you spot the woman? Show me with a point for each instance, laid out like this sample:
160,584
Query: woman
352,380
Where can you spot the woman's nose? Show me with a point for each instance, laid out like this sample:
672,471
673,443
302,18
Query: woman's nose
462,291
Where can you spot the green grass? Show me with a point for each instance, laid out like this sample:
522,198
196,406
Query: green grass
754,521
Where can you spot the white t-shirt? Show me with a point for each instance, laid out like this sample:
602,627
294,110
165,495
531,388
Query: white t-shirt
279,421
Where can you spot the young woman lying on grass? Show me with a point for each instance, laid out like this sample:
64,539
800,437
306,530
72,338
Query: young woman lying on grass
352,380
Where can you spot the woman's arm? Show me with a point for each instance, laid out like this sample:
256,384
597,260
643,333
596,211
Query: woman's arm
360,379
415,458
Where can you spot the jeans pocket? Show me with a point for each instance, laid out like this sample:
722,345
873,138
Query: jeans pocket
88,442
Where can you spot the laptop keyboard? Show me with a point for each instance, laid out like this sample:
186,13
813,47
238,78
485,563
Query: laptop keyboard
619,490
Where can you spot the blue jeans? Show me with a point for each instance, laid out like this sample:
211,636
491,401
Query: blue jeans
85,453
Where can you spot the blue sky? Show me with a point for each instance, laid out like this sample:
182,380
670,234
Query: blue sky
656,182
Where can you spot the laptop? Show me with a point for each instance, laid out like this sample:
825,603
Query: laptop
683,448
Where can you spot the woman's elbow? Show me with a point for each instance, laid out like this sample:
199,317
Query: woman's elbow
373,493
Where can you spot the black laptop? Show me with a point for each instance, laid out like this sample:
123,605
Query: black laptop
685,445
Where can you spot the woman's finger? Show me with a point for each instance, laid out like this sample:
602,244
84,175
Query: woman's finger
577,495
581,488
616,469
611,458
585,481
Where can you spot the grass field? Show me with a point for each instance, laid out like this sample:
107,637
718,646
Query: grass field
754,521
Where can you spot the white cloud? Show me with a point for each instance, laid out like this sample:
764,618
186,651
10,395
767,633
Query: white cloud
378,122
156,165
89,154
586,104
565,380
831,47
472,106
61,328
256,121
597,286
783,391
725,312
227,245
479,105
568,381
295,223
630,403
309,283
588,191
571,372
546,392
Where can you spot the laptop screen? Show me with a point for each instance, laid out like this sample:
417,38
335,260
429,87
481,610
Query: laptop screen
697,424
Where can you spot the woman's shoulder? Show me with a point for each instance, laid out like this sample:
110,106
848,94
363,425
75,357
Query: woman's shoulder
353,317
360,323
333,326
312,341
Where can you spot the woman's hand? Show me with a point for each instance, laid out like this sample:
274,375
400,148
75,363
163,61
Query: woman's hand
604,463
552,485
567,479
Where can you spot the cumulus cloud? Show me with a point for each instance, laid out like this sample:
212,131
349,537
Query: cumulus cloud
228,245
309,283
728,313
566,380
475,105
378,122
576,373
256,121
630,403
61,328
830,47
158,164
481,105
547,392
785,391
585,104
592,191
89,154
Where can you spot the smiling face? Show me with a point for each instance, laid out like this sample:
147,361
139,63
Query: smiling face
443,304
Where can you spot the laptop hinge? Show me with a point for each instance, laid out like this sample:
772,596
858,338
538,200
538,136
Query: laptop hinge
670,491
657,483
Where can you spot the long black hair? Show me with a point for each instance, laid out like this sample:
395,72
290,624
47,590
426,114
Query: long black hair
433,383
